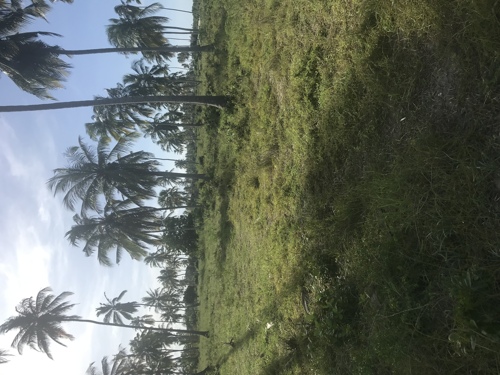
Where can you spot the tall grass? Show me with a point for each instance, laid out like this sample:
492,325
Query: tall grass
357,172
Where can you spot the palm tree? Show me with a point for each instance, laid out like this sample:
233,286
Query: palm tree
173,197
169,278
26,59
115,366
173,9
116,311
137,27
164,255
150,80
39,320
156,259
214,101
163,133
36,66
120,228
143,321
92,172
155,299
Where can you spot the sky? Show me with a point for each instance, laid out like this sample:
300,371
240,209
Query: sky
33,251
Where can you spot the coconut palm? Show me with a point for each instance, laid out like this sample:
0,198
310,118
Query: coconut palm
155,299
169,278
119,228
115,311
173,197
39,321
150,80
138,27
92,172
115,366
134,112
214,101
115,121
26,59
105,127
173,9
143,321
148,348
156,259
36,66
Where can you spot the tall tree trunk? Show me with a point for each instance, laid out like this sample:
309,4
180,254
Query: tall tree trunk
93,51
178,28
178,32
171,330
178,10
215,101
195,176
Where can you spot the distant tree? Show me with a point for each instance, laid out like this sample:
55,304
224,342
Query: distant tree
115,311
139,27
92,172
114,366
190,295
182,57
180,233
119,228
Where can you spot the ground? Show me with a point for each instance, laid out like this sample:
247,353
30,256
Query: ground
356,171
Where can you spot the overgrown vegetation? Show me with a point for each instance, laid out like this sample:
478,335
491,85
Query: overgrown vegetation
351,221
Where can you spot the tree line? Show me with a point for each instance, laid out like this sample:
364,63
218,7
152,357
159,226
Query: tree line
108,186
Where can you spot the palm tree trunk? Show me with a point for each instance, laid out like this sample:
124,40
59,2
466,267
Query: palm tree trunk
172,330
215,101
179,28
195,176
178,10
94,51
178,32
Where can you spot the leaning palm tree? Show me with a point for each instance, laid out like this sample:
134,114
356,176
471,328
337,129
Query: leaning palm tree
214,101
39,321
92,172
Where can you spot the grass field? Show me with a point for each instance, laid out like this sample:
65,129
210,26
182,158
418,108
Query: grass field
357,172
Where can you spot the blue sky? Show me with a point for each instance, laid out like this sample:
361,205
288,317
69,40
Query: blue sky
34,253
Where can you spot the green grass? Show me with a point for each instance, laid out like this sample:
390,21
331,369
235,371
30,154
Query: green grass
358,166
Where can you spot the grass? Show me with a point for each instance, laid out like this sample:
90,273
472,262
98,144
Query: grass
356,168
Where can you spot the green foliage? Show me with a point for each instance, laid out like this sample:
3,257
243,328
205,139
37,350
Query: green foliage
33,65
